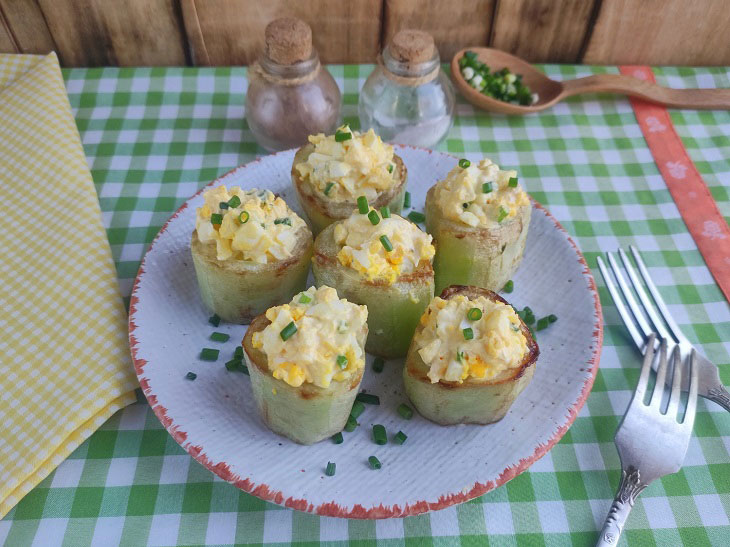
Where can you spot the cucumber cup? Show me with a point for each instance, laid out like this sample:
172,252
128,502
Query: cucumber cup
239,290
394,309
472,400
322,211
481,256
306,413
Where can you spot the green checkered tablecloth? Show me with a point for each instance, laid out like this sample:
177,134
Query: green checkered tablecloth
155,136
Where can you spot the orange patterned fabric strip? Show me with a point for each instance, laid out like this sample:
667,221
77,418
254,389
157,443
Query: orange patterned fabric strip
691,194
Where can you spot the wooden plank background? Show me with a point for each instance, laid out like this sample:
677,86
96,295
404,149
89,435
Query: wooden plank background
230,32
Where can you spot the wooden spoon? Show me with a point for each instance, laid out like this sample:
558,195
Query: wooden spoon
550,91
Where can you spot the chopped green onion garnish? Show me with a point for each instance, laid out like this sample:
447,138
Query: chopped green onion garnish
512,182
305,298
416,217
330,470
209,354
374,462
400,438
238,352
223,205
474,314
509,286
373,217
288,331
486,188
285,220
342,362
407,200
216,218
244,369
385,211
328,188
337,438
532,332
468,333
542,323
214,320
341,136
502,214
464,163
405,411
378,364
459,356
390,168
362,205
220,337
351,424
386,243
357,409
234,202
191,376
552,318
243,217
379,434
368,398
234,364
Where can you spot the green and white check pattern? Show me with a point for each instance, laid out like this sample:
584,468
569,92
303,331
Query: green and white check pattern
155,136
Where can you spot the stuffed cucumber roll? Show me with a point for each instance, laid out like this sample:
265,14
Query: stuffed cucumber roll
306,360
331,172
383,262
470,358
478,216
250,252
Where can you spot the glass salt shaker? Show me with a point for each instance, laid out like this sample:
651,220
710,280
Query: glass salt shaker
408,99
290,94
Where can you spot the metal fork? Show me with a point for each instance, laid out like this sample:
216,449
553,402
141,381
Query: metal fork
645,318
650,443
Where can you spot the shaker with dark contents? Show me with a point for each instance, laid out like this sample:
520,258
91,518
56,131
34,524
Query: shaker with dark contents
290,95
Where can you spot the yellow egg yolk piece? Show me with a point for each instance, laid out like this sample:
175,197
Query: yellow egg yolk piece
343,169
256,226
496,344
479,195
327,344
362,248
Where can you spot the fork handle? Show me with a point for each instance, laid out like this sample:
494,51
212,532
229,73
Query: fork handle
630,487
720,395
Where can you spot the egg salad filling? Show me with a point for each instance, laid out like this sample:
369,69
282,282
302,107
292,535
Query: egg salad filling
464,338
316,338
480,194
382,251
250,225
349,164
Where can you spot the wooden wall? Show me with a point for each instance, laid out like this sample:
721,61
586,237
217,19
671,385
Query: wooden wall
230,32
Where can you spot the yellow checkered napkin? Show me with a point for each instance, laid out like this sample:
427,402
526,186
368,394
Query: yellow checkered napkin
64,356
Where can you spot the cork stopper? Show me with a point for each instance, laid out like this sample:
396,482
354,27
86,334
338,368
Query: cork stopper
412,46
288,40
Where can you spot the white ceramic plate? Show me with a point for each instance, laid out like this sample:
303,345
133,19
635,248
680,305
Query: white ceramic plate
215,420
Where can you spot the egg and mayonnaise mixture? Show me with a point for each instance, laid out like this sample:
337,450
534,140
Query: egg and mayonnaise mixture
349,164
480,194
363,248
454,353
254,224
326,345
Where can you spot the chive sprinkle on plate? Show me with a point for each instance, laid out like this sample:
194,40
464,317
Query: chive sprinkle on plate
400,438
379,434
416,217
405,412
337,438
378,364
374,462
368,398
220,337
191,376
209,354
357,409
330,470
214,320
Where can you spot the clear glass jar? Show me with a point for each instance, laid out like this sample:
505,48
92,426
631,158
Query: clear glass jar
287,103
408,103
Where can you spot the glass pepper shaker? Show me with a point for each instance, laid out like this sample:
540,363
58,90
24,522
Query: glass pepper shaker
408,99
290,94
